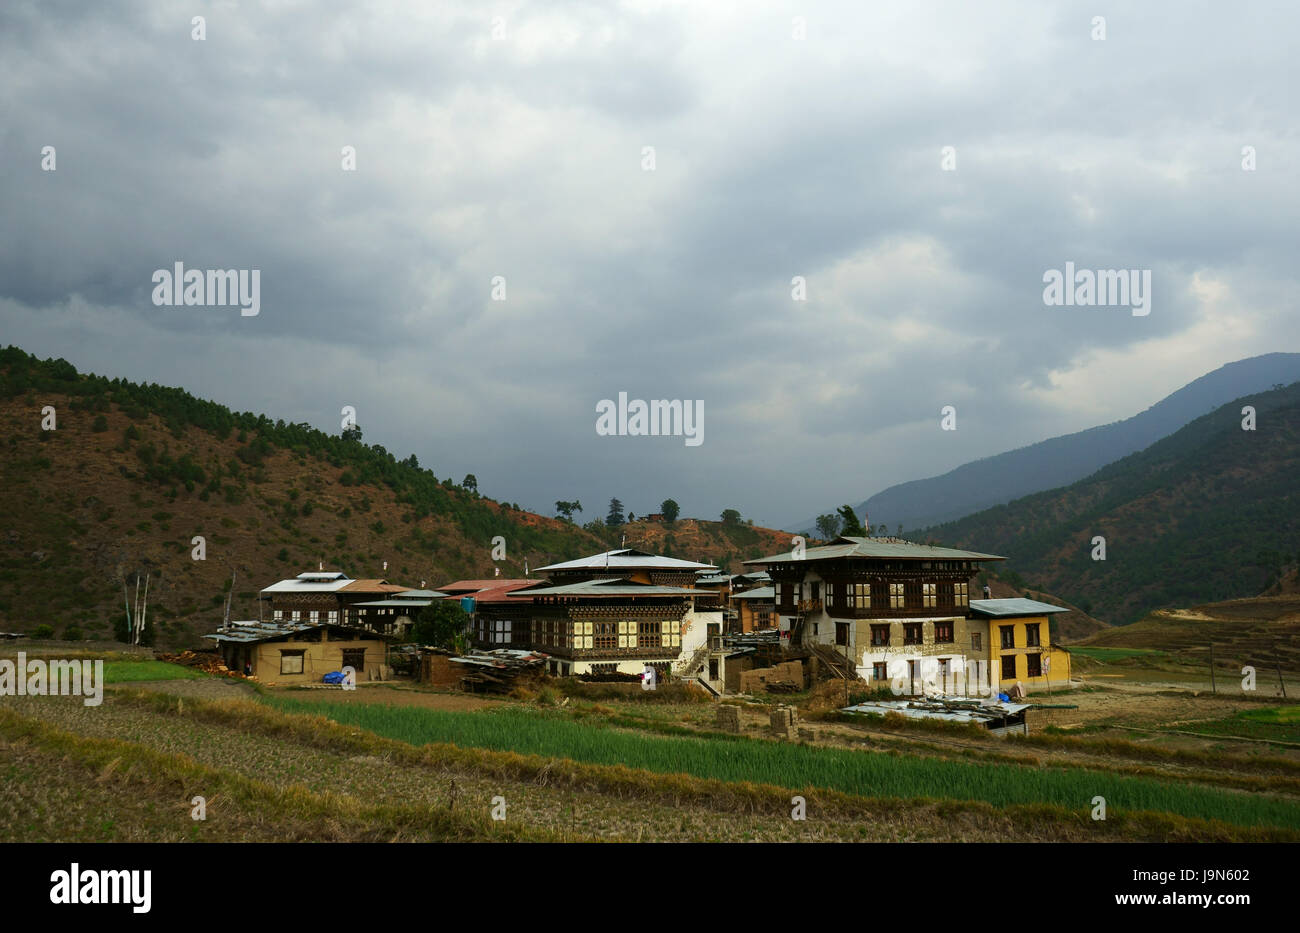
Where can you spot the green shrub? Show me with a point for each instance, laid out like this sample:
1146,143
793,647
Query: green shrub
43,631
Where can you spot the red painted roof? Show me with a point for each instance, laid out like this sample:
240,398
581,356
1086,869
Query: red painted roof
486,591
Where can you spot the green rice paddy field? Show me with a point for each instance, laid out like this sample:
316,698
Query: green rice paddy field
797,766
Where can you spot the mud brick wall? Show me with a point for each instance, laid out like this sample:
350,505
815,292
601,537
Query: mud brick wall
756,681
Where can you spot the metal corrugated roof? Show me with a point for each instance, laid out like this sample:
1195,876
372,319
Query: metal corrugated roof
261,631
614,587
420,594
875,547
1014,607
627,559
761,592
395,603
952,709
297,585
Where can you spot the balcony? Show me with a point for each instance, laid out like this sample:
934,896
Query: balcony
809,605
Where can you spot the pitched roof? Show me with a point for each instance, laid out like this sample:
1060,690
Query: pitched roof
247,632
627,559
461,587
759,592
373,586
491,591
301,585
895,548
606,588
1004,608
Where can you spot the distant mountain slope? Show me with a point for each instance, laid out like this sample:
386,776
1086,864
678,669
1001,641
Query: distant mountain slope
1062,460
1209,513
133,473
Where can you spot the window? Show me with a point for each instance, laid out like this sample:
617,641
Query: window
960,594
912,633
294,615
1008,667
816,590
355,658
928,595
291,662
1008,636
278,615
604,668
1031,635
879,671
605,635
334,615
879,636
315,615
649,634
859,595
975,641
1033,665
842,633
895,596
943,632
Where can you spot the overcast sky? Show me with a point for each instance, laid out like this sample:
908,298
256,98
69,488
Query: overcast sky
522,155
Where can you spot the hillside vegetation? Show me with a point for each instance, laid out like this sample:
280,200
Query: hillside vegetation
1059,461
1209,513
131,474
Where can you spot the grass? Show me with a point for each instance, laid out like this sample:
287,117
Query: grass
641,794
1277,723
1107,655
797,767
126,672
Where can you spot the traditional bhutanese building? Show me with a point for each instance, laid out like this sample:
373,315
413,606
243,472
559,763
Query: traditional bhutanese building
326,596
901,613
1019,641
755,610
615,612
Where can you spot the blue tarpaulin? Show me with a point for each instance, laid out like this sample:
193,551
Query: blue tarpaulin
333,677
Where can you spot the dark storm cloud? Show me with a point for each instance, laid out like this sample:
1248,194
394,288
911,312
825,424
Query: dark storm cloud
521,157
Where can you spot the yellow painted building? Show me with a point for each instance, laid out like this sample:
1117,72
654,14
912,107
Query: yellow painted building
1019,642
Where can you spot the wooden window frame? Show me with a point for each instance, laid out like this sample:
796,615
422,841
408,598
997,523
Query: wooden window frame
929,595
897,596
1009,661
1034,664
940,628
876,640
1033,635
913,633
1008,636
300,654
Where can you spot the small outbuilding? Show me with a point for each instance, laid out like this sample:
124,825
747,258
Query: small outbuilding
300,652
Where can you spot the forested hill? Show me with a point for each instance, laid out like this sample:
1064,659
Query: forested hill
132,473
1211,512
1058,461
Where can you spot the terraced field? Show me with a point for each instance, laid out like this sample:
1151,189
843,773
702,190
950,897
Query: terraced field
131,767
